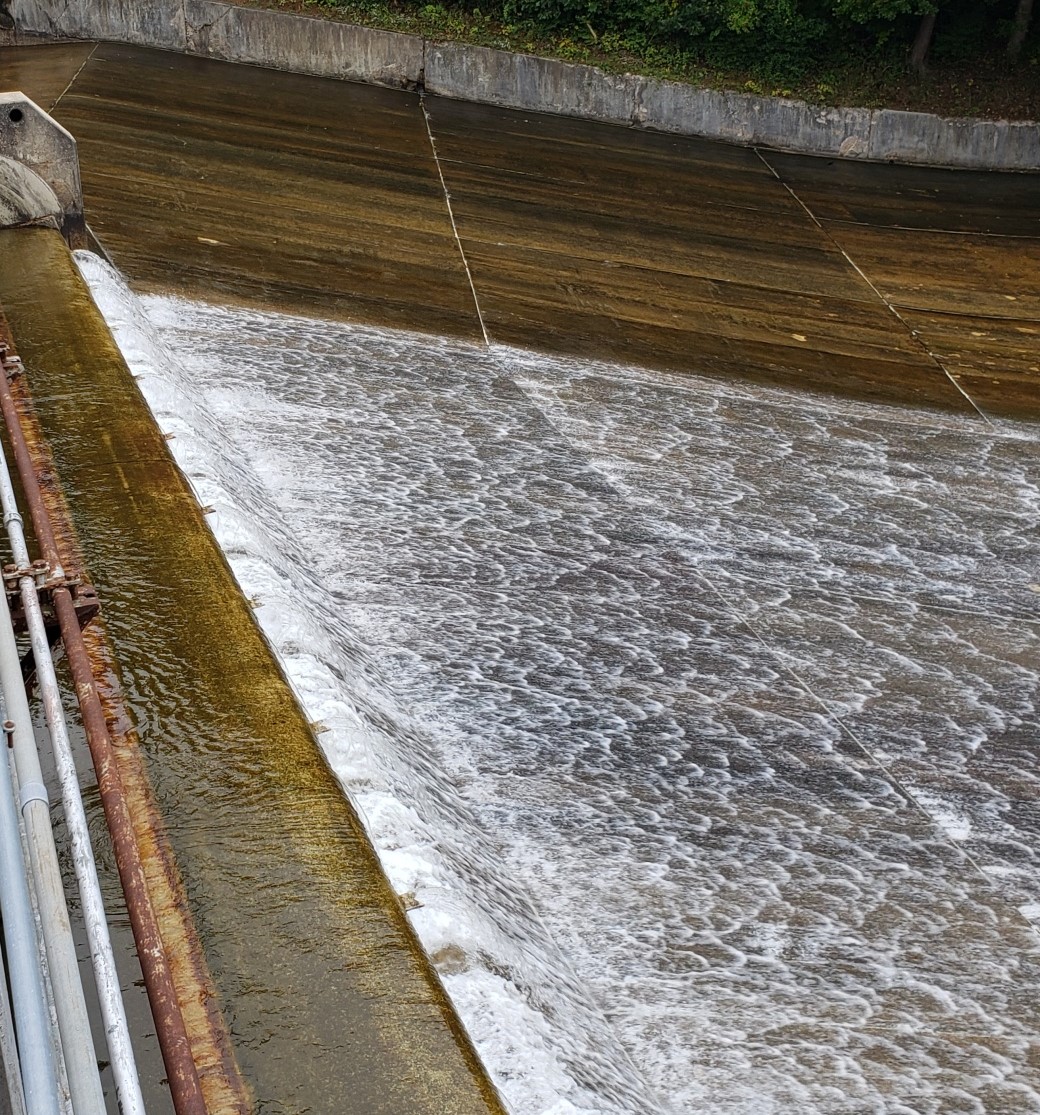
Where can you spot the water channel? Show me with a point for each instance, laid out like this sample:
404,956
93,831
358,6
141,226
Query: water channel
692,714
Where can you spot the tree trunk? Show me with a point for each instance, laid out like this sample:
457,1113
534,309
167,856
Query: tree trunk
922,41
1020,29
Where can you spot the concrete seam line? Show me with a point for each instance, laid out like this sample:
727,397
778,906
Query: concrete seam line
73,79
903,787
914,335
451,217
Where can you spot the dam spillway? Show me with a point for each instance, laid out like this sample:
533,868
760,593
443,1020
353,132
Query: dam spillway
654,637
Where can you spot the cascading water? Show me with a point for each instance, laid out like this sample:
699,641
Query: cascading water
694,721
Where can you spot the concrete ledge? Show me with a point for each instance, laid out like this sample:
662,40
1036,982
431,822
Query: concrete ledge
762,121
498,77
238,33
910,137
159,24
283,41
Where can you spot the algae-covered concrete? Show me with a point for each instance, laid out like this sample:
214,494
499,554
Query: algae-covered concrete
331,1004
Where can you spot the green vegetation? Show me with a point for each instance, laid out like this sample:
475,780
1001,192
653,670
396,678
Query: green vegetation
956,57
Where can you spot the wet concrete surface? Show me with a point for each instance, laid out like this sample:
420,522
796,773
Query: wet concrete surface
957,255
44,72
295,193
286,892
238,183
674,253
923,198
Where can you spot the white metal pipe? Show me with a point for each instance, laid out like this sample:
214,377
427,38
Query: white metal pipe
77,1044
64,1096
106,978
12,1073
39,1077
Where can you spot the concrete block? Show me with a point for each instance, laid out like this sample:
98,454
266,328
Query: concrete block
31,137
320,47
918,137
1019,146
498,77
668,106
157,23
749,119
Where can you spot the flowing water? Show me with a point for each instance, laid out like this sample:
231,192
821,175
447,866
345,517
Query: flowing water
696,722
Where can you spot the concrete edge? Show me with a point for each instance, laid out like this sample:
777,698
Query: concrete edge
235,32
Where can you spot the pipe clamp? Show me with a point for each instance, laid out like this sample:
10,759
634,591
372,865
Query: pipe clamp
33,791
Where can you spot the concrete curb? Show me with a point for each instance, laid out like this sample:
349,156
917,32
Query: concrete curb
326,48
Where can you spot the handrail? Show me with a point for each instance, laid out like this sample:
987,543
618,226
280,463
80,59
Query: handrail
77,1045
117,1032
185,1086
39,1078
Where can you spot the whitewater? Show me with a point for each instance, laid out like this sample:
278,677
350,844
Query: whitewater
694,722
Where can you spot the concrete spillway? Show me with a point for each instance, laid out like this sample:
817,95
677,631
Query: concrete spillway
913,289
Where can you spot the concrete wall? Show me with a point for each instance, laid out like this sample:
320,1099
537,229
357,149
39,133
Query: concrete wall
328,49
41,168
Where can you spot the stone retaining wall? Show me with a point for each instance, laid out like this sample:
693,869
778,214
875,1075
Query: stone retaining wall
330,49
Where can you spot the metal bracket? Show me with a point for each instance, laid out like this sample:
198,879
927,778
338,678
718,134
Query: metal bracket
84,601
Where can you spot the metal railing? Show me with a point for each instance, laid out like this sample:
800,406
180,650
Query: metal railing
45,1035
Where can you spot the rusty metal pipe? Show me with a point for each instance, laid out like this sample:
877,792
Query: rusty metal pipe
185,1087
